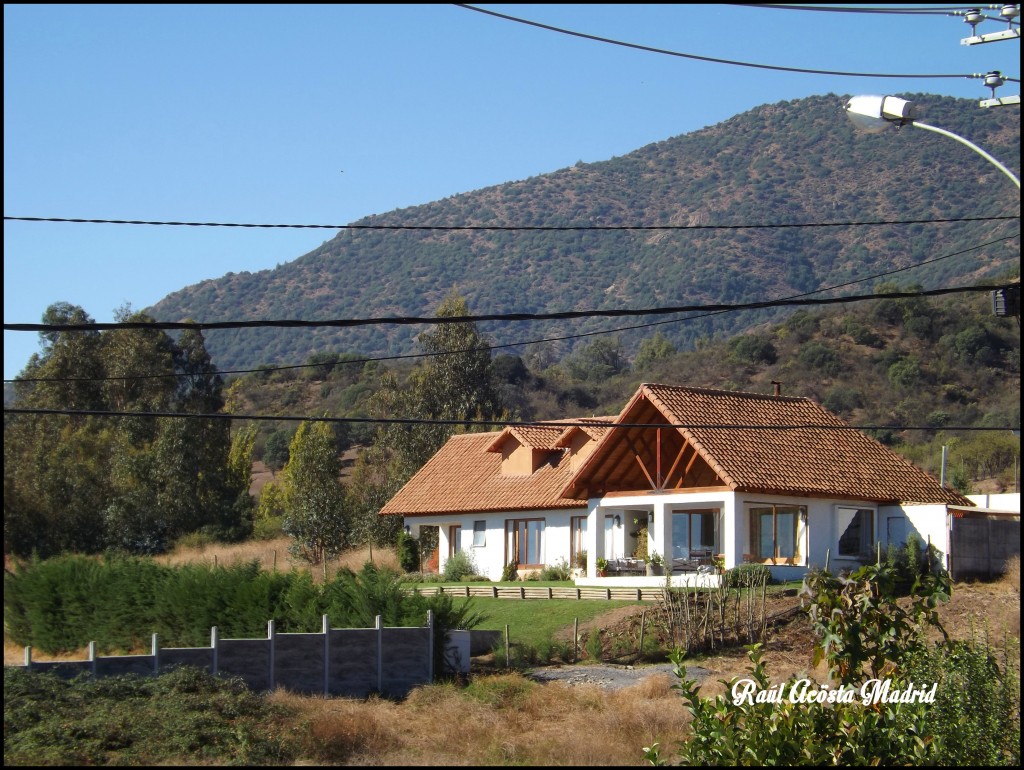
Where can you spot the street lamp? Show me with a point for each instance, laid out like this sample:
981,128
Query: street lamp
875,114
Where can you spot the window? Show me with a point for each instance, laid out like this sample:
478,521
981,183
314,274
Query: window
524,542
856,531
578,535
692,531
454,535
774,532
479,534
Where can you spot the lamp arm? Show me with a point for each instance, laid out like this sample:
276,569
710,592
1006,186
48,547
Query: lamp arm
976,148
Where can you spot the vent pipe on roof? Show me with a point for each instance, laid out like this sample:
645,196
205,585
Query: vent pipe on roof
778,387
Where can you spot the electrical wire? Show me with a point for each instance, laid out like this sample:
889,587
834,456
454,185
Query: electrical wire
711,59
490,423
345,323
503,228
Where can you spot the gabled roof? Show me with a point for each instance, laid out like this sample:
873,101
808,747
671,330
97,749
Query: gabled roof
677,438
465,476
790,446
534,436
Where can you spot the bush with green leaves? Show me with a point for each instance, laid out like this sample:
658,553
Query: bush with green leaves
408,552
560,570
594,646
61,604
459,565
510,573
748,576
142,721
862,631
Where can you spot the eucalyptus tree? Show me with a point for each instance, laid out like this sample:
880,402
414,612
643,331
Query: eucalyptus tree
314,499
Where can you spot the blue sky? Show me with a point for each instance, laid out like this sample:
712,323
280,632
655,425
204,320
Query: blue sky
323,114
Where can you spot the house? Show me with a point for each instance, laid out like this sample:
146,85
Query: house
744,477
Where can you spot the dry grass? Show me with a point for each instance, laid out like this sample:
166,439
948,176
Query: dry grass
273,554
1011,574
502,719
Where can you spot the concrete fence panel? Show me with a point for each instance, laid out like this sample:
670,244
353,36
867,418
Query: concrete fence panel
299,662
353,662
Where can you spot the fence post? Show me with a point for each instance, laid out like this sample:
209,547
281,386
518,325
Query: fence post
522,592
494,592
327,655
430,646
508,660
28,657
551,593
214,644
643,623
92,658
156,654
380,655
578,593
273,663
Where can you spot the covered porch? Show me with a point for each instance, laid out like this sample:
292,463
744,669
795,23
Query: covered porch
688,533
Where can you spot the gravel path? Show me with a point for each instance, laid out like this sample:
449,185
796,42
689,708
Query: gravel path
608,675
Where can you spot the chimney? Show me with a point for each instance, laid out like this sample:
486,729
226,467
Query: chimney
778,387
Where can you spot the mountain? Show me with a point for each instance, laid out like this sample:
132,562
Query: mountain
788,163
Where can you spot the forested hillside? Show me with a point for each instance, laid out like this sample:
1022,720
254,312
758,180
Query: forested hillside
931,363
789,163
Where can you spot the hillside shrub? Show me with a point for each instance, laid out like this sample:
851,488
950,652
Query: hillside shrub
862,631
135,720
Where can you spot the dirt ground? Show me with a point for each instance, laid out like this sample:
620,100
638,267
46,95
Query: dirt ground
975,610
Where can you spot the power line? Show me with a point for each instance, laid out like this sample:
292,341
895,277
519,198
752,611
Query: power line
504,228
491,423
352,361
508,317
711,59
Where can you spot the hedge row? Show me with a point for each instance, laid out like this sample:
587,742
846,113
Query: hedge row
62,604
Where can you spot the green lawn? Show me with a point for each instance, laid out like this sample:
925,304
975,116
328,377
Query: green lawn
532,622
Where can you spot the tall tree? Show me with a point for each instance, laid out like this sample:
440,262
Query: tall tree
86,483
314,499
456,383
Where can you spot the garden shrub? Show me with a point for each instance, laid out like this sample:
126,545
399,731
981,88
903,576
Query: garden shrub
747,576
558,571
408,552
862,631
458,565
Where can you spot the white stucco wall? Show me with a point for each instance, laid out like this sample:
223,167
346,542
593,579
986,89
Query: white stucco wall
929,522
820,539
489,559
1003,501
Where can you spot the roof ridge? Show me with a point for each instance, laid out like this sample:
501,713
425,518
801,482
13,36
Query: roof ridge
720,392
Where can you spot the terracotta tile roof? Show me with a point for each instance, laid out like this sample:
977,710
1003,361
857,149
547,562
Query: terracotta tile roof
596,431
534,436
833,460
829,459
464,476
